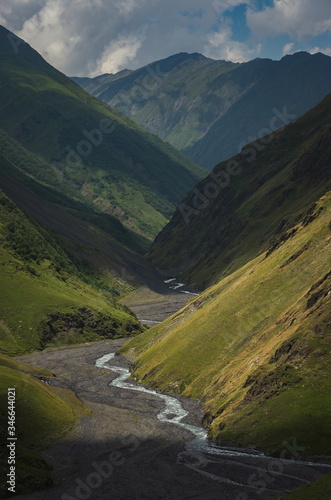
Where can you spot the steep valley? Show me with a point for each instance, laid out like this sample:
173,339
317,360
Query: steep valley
118,255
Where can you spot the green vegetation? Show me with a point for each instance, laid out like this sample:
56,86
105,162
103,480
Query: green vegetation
45,299
30,170
43,413
273,182
256,346
208,108
319,489
92,153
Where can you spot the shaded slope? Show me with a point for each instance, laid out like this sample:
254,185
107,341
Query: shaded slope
99,238
320,489
295,83
209,109
249,204
43,413
110,161
256,346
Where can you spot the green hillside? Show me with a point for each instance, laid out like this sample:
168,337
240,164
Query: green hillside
44,298
108,161
250,203
320,489
209,109
256,346
43,413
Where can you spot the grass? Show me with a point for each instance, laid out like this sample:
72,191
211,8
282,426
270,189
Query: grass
255,347
321,489
43,413
43,290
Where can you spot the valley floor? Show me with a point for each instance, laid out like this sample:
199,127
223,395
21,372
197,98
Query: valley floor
157,302
123,452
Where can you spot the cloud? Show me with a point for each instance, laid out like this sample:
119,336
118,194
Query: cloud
297,18
88,37
326,51
117,54
220,45
287,49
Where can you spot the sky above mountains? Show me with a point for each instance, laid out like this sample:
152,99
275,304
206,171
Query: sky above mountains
91,37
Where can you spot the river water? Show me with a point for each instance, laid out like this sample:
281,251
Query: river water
200,453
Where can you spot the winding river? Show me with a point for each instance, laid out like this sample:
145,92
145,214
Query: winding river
199,452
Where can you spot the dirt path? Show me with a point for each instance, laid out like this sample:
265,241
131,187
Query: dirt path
122,452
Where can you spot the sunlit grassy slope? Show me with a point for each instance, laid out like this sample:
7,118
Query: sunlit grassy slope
124,171
42,291
43,413
256,346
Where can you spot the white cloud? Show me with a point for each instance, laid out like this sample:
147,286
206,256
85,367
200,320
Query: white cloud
82,37
326,51
117,55
288,48
220,45
297,18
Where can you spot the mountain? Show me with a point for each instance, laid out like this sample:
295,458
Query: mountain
250,204
209,109
255,346
91,151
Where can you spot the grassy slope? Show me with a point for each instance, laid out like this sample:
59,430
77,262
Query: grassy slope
279,179
43,413
180,104
208,108
97,240
132,174
39,176
39,281
256,346
320,489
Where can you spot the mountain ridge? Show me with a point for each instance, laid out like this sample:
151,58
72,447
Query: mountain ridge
207,108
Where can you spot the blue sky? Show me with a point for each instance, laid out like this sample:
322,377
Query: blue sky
90,37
